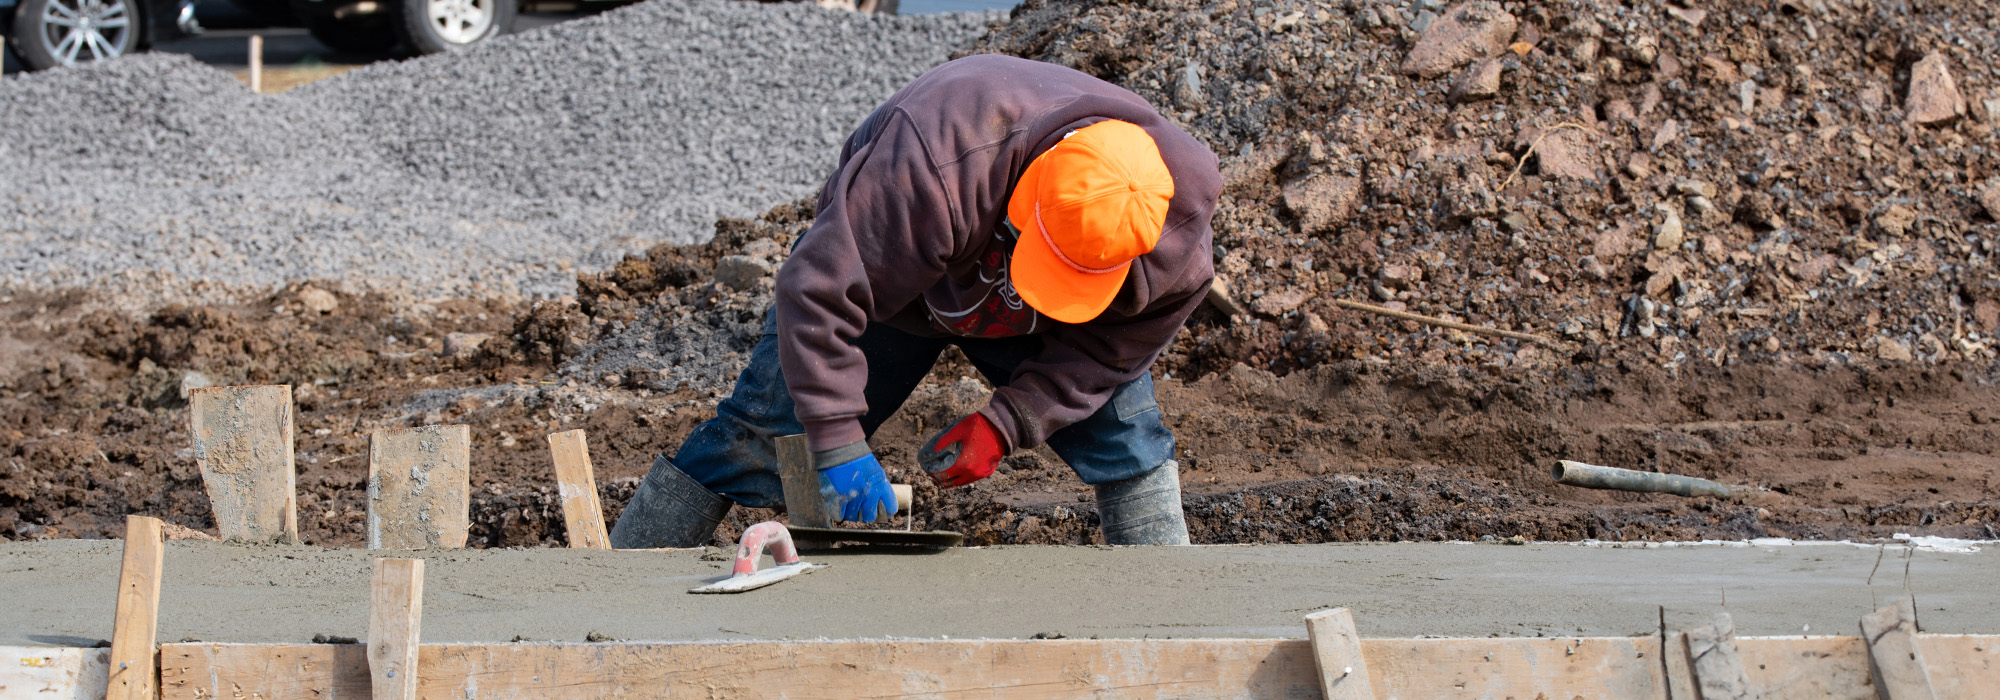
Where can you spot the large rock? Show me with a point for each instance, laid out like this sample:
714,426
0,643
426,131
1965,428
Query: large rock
463,346
1564,153
1933,96
1897,220
1479,81
1467,31
1322,202
740,272
1279,302
318,301
1991,199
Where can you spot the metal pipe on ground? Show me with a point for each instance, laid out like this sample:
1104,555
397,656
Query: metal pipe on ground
1591,476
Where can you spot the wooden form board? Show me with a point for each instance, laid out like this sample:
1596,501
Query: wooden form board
243,442
418,491
1401,669
53,673
131,673
576,485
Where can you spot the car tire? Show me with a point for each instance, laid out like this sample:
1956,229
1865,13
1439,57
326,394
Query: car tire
363,36
437,26
50,33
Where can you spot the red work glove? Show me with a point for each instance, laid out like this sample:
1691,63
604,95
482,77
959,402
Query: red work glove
964,453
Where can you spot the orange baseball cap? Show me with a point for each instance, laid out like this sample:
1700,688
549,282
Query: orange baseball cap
1085,209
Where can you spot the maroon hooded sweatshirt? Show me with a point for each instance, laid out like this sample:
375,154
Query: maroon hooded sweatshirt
910,232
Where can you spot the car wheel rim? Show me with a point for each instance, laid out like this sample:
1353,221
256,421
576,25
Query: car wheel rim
460,21
80,31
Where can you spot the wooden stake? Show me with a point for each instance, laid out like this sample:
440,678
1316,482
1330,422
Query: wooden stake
395,616
256,63
802,499
576,485
243,442
1343,674
1718,667
418,496
1891,634
1680,683
1441,323
133,675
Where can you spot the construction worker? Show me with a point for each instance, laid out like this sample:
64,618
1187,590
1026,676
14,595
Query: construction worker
1051,225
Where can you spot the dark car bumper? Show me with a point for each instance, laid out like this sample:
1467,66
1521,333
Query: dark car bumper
168,20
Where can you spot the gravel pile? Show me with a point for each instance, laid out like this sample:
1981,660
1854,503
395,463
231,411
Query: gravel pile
498,170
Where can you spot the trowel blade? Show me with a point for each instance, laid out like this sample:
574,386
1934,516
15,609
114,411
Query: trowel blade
760,579
819,537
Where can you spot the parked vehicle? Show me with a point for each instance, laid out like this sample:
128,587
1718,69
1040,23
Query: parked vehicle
49,33
422,26
433,26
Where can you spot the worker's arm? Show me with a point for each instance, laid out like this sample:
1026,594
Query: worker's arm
1078,369
881,236
1080,366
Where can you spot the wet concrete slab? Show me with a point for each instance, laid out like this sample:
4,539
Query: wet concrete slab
61,592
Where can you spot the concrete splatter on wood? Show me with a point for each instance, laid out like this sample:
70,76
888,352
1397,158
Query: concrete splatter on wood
243,442
418,494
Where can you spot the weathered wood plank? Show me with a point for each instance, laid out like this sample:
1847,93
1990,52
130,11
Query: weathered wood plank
802,500
395,621
1964,667
131,672
1343,671
1589,667
576,485
1804,668
1680,675
419,495
1099,670
1891,634
53,673
1401,669
243,443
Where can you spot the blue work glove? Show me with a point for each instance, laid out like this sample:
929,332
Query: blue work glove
855,487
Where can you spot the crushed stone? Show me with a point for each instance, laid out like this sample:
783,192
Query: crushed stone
501,170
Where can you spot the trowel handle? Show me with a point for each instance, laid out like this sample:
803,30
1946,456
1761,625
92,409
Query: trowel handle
765,534
903,496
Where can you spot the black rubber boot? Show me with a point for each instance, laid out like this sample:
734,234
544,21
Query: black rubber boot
669,510
1144,509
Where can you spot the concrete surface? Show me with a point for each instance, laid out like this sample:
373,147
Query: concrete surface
61,592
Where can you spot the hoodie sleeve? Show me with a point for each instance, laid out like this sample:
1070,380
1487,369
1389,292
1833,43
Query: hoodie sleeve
1081,365
881,236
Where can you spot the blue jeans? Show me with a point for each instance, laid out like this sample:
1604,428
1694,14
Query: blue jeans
735,453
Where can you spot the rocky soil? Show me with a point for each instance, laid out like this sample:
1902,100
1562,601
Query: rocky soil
1791,182
93,422
1758,236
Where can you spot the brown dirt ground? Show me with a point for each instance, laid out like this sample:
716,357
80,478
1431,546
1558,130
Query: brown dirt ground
92,428
1820,326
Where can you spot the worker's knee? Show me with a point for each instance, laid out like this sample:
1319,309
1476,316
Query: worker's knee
1125,438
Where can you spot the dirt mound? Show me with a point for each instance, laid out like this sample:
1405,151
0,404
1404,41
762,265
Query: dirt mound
93,426
1745,181
1762,232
